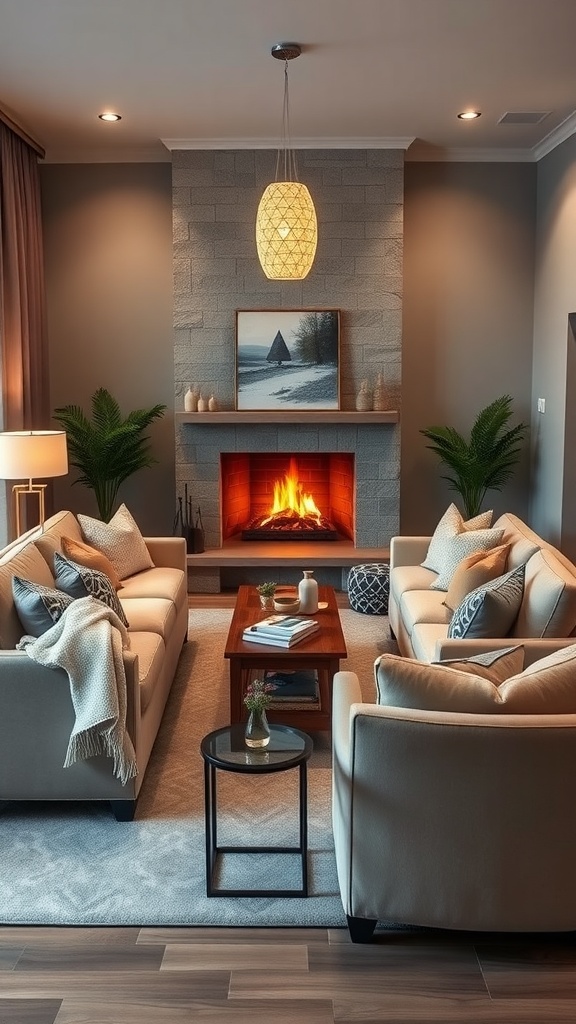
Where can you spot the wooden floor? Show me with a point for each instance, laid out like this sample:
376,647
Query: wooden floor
283,976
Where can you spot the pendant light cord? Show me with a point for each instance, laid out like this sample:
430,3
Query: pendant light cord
286,153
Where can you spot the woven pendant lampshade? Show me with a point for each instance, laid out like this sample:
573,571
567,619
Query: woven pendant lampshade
286,225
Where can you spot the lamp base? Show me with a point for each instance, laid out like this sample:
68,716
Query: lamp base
18,491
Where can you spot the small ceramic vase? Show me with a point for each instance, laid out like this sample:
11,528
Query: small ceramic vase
213,404
364,398
308,594
379,397
191,400
202,404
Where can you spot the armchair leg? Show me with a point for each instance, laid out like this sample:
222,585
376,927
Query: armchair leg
123,810
361,928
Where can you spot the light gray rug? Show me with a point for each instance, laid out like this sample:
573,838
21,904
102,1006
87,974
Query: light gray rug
74,864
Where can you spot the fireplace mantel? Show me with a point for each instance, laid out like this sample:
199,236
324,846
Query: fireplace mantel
302,416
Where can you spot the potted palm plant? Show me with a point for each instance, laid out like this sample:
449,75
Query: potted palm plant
485,461
107,449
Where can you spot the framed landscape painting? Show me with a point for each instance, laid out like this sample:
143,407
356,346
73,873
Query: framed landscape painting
287,359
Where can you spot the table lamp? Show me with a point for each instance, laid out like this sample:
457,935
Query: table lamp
28,454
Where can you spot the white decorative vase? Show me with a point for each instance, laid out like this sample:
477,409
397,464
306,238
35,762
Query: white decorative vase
308,594
191,400
202,404
213,404
364,398
379,397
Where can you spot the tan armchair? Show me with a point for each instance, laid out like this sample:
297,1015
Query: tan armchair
451,820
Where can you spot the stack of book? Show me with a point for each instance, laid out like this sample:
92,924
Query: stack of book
297,690
280,630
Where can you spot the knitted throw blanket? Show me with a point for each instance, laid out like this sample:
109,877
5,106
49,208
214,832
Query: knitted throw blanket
87,642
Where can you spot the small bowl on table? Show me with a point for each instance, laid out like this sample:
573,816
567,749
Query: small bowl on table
289,605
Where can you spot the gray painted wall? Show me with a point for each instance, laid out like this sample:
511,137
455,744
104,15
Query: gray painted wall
553,508
467,317
108,253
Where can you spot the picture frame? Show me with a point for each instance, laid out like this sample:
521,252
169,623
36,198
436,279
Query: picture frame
287,360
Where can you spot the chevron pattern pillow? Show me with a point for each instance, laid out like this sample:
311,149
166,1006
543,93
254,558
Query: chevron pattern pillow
38,607
491,610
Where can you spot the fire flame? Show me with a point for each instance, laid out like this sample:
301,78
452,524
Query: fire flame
289,496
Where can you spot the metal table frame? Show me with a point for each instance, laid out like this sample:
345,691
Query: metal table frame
211,767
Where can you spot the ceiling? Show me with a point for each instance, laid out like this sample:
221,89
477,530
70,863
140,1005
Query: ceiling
372,73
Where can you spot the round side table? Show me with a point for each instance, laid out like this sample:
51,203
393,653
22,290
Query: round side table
225,750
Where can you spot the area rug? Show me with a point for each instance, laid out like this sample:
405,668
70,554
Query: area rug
74,864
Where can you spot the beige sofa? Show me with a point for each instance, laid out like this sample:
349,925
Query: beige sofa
36,713
419,619
450,820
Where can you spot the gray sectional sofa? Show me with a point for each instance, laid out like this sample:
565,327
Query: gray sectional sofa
36,711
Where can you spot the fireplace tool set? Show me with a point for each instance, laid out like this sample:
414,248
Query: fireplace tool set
193,532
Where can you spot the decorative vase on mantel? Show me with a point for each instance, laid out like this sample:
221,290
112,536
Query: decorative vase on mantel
257,732
191,400
364,398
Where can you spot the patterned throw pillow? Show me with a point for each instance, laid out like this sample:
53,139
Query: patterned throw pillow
457,548
120,540
84,554
497,666
474,571
450,525
79,581
38,607
491,610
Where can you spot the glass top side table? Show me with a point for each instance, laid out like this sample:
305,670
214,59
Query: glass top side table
225,750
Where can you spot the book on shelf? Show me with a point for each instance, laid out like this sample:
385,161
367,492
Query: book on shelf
250,635
299,686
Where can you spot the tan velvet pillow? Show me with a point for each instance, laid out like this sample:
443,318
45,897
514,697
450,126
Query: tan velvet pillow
474,571
407,683
91,558
547,687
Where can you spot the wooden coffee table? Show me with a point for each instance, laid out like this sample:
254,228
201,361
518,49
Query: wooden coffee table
322,651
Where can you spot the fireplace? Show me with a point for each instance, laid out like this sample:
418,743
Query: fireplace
283,496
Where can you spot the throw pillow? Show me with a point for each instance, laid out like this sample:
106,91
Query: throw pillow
490,611
407,683
120,540
450,525
84,554
458,547
547,687
497,666
475,570
79,581
38,607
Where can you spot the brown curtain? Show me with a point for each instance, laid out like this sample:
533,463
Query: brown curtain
25,397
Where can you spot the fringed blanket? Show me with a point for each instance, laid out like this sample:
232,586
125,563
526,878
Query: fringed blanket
87,642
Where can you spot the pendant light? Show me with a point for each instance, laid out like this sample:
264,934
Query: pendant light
286,226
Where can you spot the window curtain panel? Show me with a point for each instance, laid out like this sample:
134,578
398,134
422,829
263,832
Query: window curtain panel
25,400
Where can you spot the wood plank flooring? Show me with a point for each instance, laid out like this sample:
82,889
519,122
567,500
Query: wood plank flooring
286,975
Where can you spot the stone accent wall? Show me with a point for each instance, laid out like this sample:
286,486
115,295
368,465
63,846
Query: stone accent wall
358,196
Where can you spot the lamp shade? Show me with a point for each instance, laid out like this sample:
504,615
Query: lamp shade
33,454
286,231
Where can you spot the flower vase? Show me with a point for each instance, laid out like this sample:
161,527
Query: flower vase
257,733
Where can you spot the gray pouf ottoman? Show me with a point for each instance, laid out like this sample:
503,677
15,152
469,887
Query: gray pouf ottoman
368,588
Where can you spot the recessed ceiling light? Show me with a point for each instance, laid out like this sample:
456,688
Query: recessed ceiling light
109,116
469,115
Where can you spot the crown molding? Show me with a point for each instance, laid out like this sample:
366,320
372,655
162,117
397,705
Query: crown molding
399,142
559,134
472,155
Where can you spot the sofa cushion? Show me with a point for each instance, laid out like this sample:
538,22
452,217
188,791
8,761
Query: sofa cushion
459,547
29,564
159,582
38,607
151,653
425,638
474,571
450,525
547,687
83,554
497,666
120,540
406,683
150,615
79,581
423,606
548,608
489,611
63,524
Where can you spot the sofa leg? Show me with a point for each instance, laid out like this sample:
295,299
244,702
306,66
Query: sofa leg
123,810
361,928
